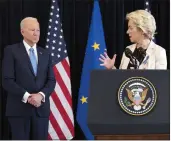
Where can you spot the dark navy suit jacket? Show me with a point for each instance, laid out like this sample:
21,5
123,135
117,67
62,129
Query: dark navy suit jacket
18,77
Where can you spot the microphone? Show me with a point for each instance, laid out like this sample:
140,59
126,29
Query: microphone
128,53
141,54
134,60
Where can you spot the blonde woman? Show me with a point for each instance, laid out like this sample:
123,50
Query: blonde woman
141,29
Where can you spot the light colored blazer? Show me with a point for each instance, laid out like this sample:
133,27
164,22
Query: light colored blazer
155,57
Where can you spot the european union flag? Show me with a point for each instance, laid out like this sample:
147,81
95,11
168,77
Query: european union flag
95,46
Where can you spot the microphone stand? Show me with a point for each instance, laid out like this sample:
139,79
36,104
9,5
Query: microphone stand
135,62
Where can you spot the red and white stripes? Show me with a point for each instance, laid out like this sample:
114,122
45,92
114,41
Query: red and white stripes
61,123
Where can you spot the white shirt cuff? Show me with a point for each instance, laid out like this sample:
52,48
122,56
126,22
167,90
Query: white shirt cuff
25,97
43,100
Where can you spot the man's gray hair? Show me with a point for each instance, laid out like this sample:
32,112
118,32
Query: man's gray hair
26,19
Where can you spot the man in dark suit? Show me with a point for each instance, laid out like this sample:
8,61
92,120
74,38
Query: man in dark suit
29,80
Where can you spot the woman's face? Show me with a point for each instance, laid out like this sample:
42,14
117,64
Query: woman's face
135,34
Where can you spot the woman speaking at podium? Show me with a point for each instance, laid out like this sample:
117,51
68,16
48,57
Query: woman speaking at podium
144,53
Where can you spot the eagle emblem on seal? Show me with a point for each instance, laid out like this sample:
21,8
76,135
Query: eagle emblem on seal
137,96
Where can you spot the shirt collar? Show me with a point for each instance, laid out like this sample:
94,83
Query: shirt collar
27,46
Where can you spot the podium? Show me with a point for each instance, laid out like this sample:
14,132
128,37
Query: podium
107,118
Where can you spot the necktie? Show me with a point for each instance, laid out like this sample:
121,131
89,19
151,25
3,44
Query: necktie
33,60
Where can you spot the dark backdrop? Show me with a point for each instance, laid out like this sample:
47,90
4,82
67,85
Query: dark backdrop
75,16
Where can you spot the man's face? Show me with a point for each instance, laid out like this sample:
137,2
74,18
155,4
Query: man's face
31,31
135,34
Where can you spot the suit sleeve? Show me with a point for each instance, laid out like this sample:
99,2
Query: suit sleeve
8,74
50,83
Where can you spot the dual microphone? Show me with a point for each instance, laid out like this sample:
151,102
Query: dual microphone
136,61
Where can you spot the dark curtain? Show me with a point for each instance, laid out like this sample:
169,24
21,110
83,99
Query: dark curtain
75,17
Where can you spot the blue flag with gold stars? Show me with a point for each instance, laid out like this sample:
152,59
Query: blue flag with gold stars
95,46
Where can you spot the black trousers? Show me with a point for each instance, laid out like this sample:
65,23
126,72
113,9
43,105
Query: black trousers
26,128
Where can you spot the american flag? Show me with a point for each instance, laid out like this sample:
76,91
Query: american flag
61,121
147,8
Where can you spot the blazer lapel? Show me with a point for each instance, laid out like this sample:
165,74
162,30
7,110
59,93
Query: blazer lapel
146,63
25,57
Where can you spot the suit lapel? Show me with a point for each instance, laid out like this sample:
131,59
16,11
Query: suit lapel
146,62
25,57
150,48
40,60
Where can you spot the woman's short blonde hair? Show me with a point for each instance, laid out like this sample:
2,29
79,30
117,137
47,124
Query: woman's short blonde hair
143,20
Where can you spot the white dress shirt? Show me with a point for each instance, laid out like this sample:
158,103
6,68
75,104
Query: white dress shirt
26,95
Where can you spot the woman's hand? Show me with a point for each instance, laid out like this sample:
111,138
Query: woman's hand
106,61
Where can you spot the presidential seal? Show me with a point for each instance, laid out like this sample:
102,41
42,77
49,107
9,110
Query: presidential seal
137,96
